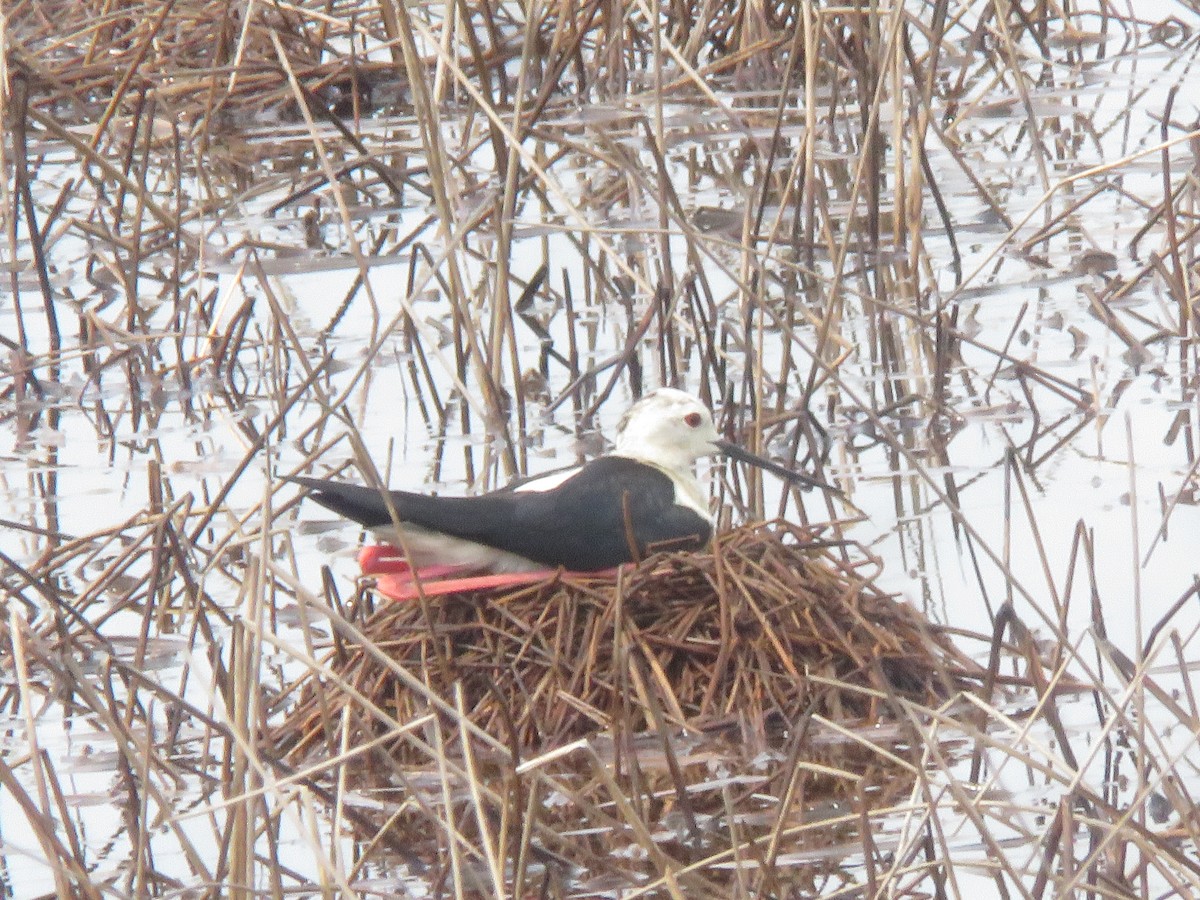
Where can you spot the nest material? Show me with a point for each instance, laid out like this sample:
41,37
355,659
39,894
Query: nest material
768,625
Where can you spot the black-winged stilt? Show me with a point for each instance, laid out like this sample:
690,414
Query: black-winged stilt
641,497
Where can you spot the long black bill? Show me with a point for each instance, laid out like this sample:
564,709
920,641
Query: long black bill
733,451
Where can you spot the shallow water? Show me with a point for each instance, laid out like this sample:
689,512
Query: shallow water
1053,430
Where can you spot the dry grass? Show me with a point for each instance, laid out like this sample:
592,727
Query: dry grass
816,217
764,628
766,659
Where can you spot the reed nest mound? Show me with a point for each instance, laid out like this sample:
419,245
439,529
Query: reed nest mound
772,624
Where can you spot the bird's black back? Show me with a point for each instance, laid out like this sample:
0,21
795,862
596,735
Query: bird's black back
613,511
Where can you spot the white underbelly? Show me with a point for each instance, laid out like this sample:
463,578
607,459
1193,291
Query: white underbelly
431,548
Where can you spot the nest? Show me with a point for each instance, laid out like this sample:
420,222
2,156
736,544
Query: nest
771,625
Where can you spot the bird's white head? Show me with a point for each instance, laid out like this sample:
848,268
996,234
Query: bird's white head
672,429
669,428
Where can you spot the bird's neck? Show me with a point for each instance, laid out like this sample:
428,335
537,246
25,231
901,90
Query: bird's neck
662,458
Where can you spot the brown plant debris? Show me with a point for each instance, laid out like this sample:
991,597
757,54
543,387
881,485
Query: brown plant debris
770,625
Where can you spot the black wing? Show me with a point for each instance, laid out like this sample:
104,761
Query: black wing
612,511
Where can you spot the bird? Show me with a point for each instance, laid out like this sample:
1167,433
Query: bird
641,497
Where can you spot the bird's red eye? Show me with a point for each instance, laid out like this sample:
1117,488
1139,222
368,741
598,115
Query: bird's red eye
693,420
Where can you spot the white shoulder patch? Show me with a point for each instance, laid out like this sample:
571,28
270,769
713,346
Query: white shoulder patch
547,482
